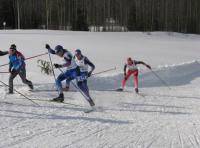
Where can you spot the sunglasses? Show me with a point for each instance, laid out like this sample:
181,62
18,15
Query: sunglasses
12,49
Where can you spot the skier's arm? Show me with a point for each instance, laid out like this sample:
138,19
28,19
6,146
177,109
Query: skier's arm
2,53
87,61
141,62
49,49
68,63
63,65
68,60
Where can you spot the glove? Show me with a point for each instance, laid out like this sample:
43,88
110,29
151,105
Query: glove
148,66
47,46
89,74
57,65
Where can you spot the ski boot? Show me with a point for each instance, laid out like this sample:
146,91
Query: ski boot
60,98
137,90
10,93
120,89
30,86
91,103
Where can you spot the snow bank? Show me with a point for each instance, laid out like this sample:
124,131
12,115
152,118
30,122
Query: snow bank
174,75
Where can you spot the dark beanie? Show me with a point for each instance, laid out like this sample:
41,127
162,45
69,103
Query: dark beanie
13,46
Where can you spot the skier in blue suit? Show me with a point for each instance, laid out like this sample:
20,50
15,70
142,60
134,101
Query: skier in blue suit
71,72
17,66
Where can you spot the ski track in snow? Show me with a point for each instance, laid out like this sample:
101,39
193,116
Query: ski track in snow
148,135
141,119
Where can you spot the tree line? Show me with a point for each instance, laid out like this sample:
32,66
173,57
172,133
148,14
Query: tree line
102,15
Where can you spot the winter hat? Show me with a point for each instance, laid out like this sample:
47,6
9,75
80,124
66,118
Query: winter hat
58,48
78,52
13,46
129,59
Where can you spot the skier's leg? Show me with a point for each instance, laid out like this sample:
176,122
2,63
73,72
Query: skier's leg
88,93
84,88
82,84
66,88
22,75
126,78
11,78
59,80
72,75
135,75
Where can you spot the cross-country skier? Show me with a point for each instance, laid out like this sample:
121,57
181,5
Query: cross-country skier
17,66
131,65
71,72
83,63
2,53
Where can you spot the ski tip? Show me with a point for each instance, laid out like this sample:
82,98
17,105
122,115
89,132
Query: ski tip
88,111
119,89
94,109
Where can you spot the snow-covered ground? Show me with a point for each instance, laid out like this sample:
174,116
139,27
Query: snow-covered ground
160,117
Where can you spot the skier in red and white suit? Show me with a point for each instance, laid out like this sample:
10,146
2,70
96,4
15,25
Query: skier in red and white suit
131,65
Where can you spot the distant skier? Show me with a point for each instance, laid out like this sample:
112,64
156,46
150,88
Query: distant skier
17,66
2,53
83,63
131,65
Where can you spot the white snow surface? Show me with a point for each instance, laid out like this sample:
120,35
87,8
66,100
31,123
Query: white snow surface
160,117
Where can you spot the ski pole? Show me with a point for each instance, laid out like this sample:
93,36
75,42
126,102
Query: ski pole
77,88
20,93
52,68
160,79
27,58
3,72
104,71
